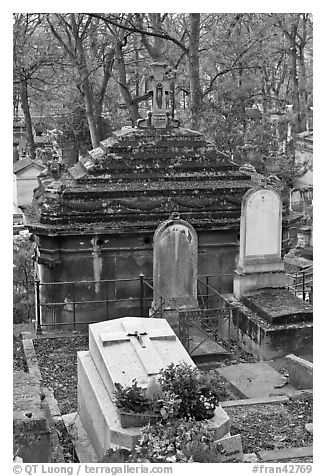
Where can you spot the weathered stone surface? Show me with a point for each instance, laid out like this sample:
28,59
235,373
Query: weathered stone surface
255,401
82,446
250,458
255,380
140,356
100,224
138,174
286,453
265,340
30,427
278,306
232,449
300,372
260,231
175,250
115,356
260,264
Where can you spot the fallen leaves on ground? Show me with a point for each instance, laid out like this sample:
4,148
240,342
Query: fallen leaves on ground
264,427
269,427
57,359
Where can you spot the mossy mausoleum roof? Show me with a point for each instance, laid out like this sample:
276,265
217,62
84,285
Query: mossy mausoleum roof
136,179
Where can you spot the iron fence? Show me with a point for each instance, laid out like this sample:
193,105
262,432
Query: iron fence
212,312
108,292
300,283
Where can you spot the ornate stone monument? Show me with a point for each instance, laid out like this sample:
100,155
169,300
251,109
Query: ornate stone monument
160,84
175,251
93,224
119,351
260,264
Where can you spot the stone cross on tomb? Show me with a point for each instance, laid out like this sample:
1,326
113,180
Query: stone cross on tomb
133,348
160,84
142,342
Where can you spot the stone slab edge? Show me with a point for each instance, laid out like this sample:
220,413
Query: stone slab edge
255,401
30,356
286,453
50,401
77,433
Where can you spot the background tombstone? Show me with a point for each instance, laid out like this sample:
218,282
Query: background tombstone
260,263
175,247
296,200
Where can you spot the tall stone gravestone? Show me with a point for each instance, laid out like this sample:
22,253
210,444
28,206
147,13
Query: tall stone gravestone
175,265
260,264
121,350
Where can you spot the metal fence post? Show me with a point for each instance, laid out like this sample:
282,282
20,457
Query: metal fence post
107,300
237,333
37,307
142,295
303,286
74,304
207,303
229,330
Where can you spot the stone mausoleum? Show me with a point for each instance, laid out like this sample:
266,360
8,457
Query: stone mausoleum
95,222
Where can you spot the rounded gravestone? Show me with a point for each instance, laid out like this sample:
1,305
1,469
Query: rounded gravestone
175,247
260,230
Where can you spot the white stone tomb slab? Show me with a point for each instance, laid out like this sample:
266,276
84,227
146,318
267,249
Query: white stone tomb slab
119,351
134,348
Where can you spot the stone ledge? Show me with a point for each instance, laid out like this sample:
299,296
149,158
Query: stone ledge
300,371
286,453
255,401
30,356
49,403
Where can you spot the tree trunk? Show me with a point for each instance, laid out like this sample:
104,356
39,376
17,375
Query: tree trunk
303,93
88,95
28,120
194,80
124,91
295,97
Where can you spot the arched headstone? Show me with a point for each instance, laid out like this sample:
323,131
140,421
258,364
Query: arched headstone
296,200
260,263
175,264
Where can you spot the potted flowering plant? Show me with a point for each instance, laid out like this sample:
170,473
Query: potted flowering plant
179,391
135,408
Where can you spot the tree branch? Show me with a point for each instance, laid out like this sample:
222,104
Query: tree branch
135,29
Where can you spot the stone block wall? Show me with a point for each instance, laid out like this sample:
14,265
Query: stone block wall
31,433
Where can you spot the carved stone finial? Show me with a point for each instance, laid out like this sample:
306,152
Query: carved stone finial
161,85
174,216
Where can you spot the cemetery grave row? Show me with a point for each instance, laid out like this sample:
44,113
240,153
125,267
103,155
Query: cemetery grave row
286,431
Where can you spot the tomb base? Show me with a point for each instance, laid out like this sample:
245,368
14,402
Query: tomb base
244,282
100,417
98,414
270,338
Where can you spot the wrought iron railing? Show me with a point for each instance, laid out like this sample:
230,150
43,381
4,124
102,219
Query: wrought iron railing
213,307
109,298
301,284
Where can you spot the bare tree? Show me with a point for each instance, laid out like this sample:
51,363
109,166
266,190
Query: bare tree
73,31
